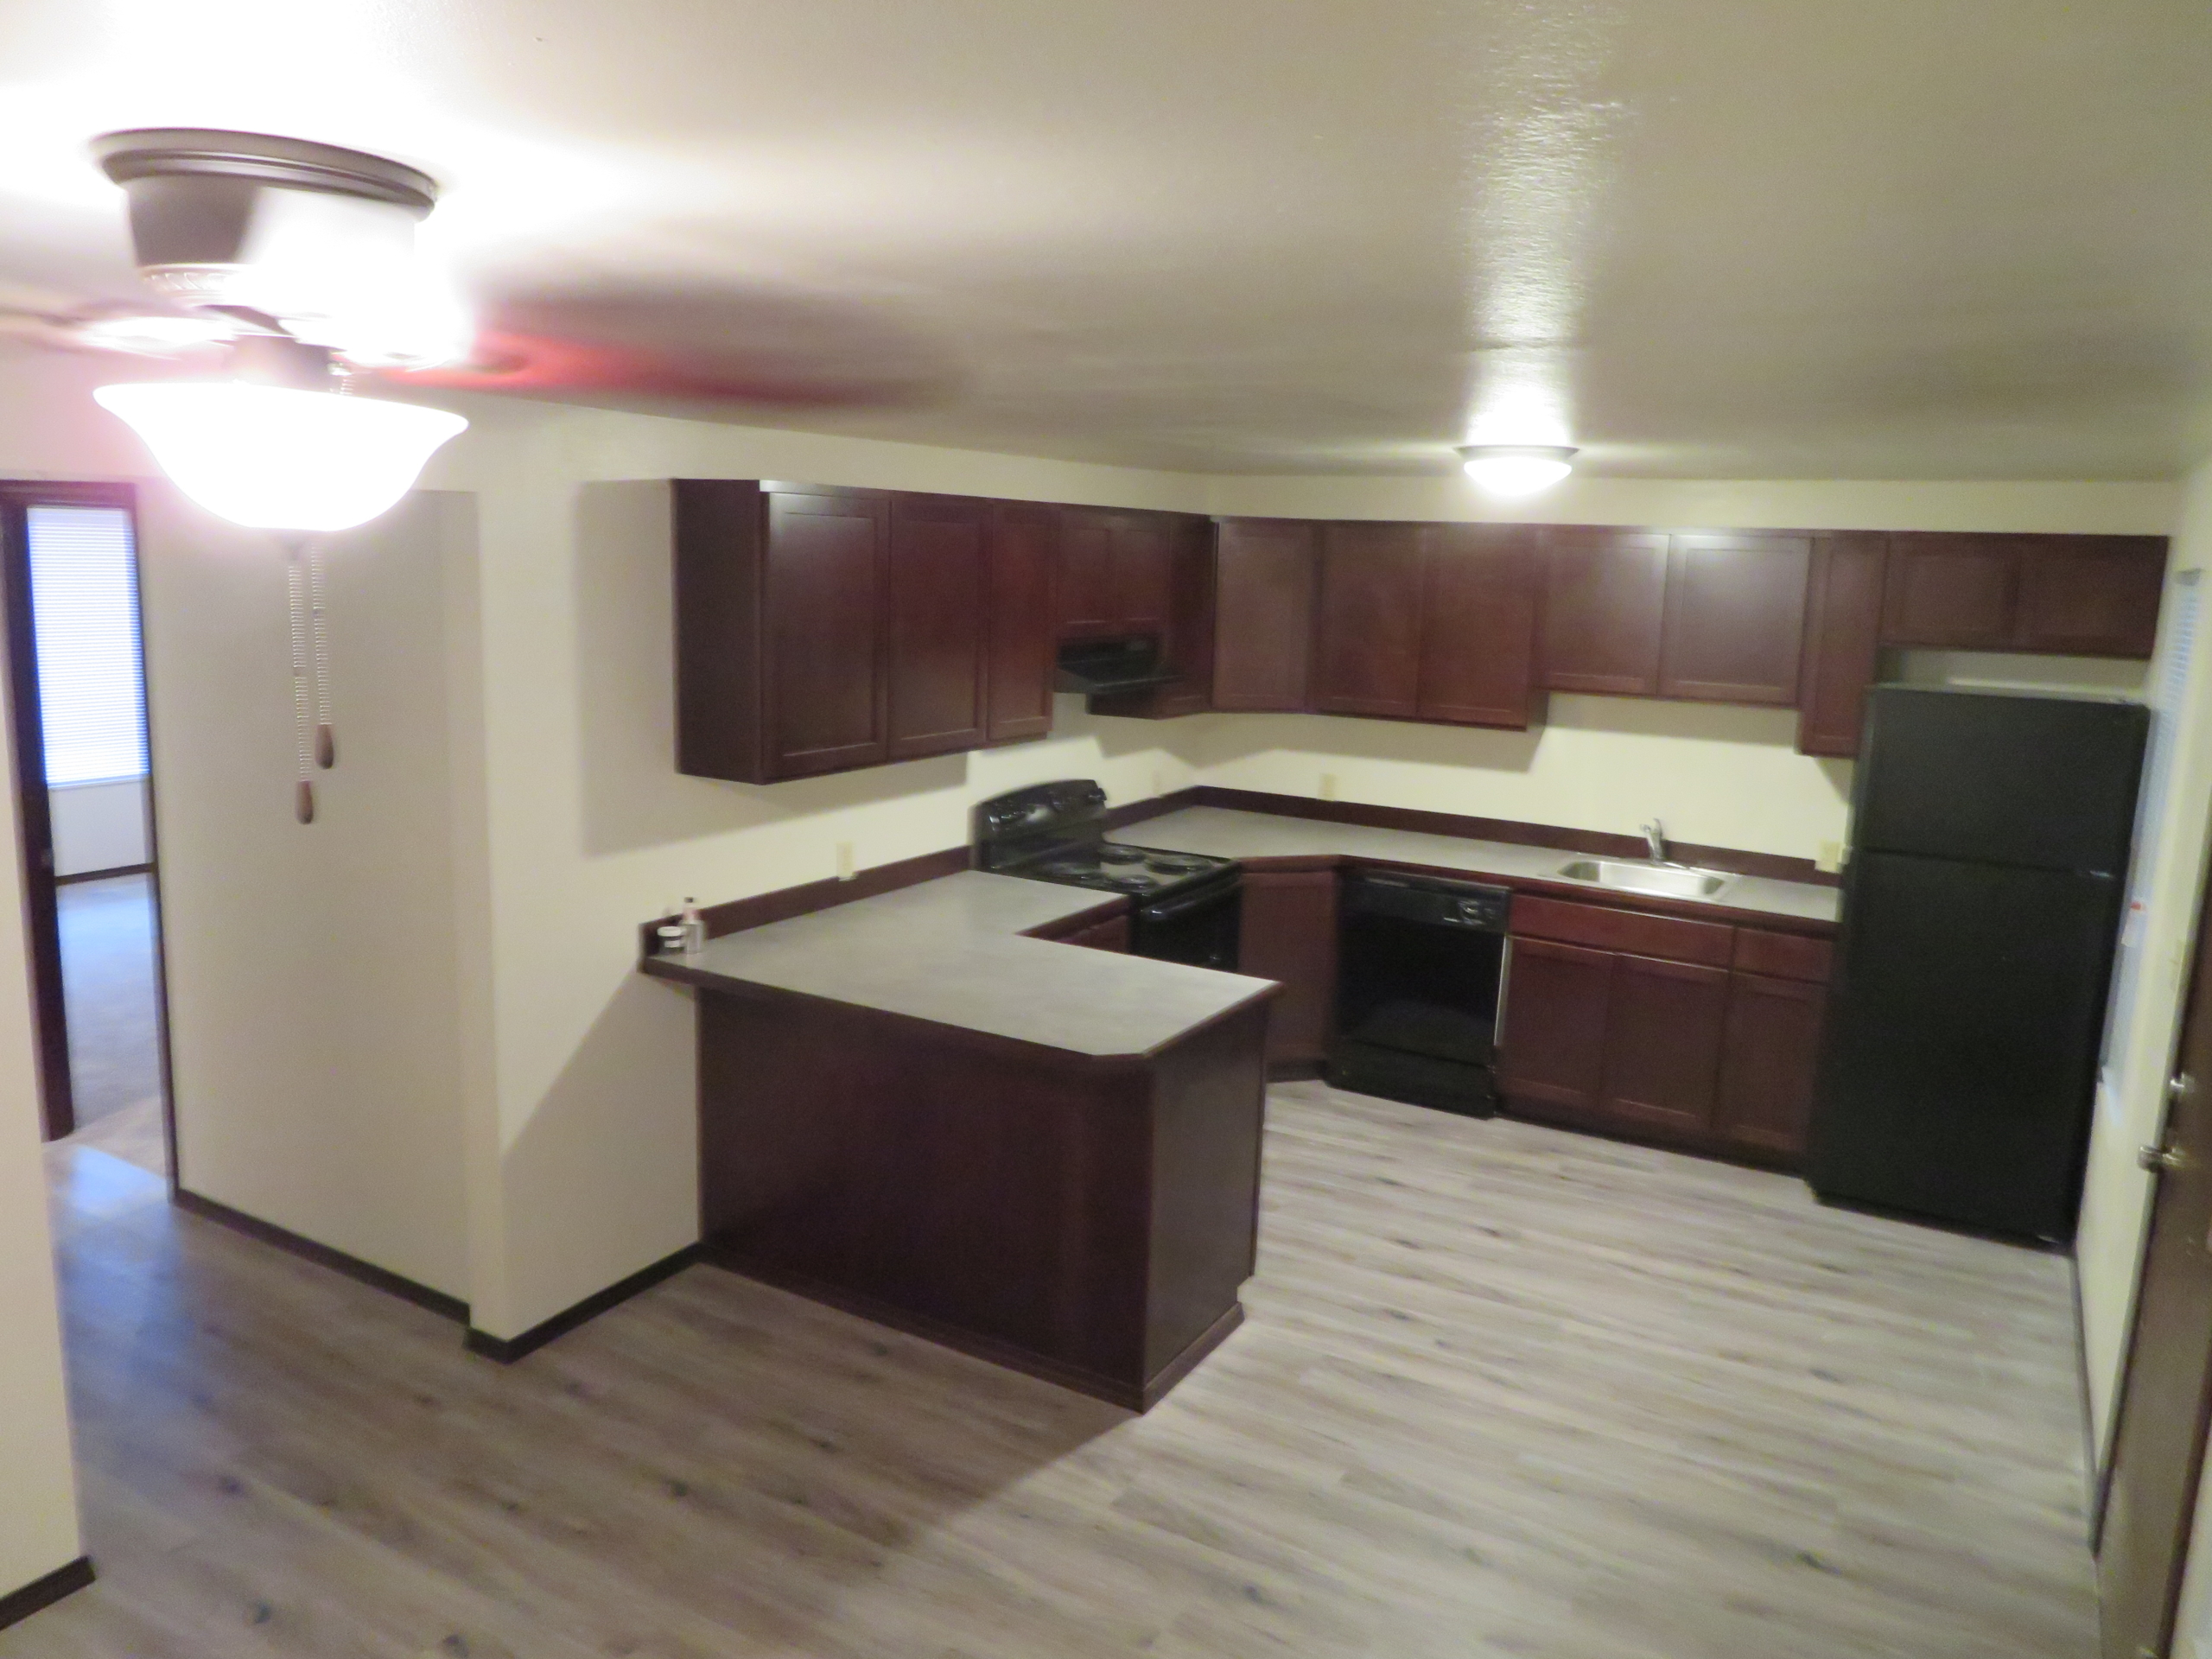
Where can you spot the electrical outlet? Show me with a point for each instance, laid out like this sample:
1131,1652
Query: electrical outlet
844,860
1830,859
1328,786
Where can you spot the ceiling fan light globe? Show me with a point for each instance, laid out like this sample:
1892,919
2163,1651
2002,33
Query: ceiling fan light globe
276,458
1516,469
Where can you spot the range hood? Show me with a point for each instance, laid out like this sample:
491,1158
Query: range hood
1096,667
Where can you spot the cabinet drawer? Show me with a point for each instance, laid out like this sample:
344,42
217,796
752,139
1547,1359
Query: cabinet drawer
1784,955
1669,937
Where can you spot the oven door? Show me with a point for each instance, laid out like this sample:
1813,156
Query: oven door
1199,928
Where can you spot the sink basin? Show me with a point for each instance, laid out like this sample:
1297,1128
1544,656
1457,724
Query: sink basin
1661,880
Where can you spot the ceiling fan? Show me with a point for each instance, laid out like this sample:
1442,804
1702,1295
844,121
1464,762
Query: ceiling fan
281,276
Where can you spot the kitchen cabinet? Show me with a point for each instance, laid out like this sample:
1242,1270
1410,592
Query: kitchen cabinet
1288,933
1604,606
1950,591
937,594
1265,570
780,629
1367,635
1688,1031
1112,934
1663,1043
1558,1004
2086,595
1116,573
1843,629
1479,625
1769,1060
1734,625
1186,631
2090,596
1023,550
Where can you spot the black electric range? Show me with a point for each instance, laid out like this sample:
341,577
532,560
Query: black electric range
1184,907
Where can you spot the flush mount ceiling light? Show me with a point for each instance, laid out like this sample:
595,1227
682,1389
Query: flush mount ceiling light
1516,468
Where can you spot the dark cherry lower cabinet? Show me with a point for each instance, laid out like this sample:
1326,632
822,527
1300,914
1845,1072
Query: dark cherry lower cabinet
1710,1054
1288,933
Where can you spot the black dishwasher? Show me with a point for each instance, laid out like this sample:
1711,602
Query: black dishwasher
1421,968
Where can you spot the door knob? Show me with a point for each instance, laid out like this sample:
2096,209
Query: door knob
2159,1160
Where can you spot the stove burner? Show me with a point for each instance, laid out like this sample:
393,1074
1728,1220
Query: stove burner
1120,856
1180,863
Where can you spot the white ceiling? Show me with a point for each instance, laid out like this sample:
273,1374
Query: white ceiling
1699,237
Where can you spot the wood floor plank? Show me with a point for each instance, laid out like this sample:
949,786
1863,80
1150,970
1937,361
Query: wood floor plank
1503,1390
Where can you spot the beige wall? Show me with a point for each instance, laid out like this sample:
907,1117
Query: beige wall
314,994
38,1492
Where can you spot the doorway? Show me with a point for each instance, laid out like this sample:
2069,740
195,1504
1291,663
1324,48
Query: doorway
76,671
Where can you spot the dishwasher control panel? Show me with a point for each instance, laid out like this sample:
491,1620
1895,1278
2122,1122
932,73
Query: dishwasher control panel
1433,899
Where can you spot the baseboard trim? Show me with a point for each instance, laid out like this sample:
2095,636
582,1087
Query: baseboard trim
41,1594
267,1232
507,1349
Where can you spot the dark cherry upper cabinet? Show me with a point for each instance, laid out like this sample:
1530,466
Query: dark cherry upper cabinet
2086,595
1264,574
1024,553
1367,635
1662,1044
1185,627
1288,933
1951,590
1768,1061
1558,1007
938,620
1116,573
1478,625
1843,629
2090,596
1734,626
1604,609
781,630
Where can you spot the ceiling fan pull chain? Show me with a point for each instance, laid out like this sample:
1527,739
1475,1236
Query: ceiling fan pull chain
325,737
296,594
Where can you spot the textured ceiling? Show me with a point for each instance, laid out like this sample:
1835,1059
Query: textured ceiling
1699,237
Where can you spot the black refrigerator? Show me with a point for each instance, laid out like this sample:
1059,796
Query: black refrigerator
1981,908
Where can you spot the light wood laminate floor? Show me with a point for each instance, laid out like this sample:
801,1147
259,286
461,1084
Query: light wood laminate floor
1504,1391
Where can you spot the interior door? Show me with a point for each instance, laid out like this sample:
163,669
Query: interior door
2159,1451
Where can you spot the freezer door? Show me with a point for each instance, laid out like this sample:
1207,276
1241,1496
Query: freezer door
2000,778
1962,1041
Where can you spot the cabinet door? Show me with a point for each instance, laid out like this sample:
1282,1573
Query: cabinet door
1735,617
1089,598
1843,634
824,591
1604,604
1479,628
1663,1043
1113,934
1023,547
1144,574
1367,642
1264,572
2091,596
1289,933
939,612
1558,1002
1186,637
1768,1063
1956,590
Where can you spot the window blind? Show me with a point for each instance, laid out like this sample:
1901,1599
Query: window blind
91,682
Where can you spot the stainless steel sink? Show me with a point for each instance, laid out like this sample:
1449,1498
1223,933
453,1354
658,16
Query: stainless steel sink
1661,880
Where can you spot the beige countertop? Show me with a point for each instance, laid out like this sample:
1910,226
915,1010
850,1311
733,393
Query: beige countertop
950,951
1229,834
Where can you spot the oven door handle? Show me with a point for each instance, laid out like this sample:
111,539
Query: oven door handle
1168,910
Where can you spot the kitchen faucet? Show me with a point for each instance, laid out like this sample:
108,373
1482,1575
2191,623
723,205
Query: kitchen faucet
1654,836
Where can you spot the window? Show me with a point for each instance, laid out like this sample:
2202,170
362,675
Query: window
85,608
